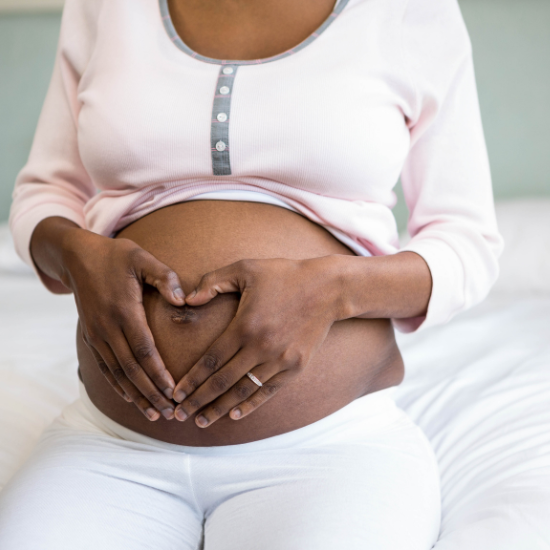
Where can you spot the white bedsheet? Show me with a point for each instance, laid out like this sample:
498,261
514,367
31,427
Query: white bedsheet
479,387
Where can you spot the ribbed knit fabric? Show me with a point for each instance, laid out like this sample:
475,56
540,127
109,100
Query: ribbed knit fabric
386,90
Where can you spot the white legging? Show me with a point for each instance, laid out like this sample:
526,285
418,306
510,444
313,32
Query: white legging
363,478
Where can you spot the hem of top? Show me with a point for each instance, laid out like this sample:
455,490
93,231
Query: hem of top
285,440
357,248
174,37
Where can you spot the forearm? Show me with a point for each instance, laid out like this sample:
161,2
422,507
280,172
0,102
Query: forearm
396,286
47,246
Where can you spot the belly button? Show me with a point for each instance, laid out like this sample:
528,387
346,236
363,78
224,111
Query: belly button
183,315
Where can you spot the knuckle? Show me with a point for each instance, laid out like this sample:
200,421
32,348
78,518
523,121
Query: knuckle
103,366
131,369
170,276
93,343
154,398
193,384
219,382
135,254
119,374
207,279
294,359
163,276
86,334
267,339
242,391
251,327
247,265
271,388
119,313
211,361
143,351
194,403
91,338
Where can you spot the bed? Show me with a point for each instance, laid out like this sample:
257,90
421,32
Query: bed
479,387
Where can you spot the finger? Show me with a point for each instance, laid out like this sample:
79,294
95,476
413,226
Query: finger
242,390
129,365
159,275
118,374
142,343
220,281
217,384
215,357
257,399
109,375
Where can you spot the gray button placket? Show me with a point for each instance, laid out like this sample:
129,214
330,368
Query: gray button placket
221,117
219,132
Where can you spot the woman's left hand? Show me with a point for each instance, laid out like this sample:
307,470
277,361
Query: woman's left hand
286,310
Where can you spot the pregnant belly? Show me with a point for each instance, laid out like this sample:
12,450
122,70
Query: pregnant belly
359,356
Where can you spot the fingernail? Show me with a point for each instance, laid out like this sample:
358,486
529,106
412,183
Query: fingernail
169,392
178,293
202,420
180,414
237,413
168,414
127,397
179,396
193,294
152,414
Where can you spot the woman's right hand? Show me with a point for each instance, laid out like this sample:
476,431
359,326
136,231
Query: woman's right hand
107,277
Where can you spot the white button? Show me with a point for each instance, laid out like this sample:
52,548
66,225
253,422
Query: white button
222,117
227,70
220,146
224,90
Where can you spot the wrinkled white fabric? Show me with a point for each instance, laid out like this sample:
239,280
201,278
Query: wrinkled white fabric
363,477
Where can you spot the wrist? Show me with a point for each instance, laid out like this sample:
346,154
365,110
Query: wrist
337,272
73,242
353,284
393,286
46,246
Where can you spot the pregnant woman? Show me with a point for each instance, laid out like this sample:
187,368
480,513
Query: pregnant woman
213,180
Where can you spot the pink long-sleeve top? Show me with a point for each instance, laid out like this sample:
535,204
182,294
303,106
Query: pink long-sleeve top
134,120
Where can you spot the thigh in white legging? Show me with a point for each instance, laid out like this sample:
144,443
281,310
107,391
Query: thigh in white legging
346,484
82,490
379,494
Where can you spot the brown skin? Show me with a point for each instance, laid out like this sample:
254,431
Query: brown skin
108,276
356,357
246,29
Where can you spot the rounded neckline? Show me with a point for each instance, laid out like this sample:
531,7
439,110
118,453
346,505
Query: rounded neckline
179,43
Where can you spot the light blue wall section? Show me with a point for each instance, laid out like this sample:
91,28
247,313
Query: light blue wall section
27,50
511,41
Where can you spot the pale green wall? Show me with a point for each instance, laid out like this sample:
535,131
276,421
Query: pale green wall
511,40
27,49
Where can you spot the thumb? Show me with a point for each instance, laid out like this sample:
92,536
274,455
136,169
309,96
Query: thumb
221,281
164,279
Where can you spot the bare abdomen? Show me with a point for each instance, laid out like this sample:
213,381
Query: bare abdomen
358,357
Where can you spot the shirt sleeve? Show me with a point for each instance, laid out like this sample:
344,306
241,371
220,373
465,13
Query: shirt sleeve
54,181
446,178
